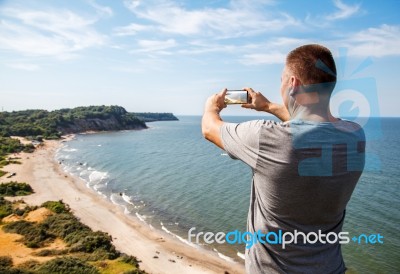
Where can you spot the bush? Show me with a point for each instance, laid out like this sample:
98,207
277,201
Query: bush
20,227
2,173
6,266
29,148
15,189
50,252
5,262
93,241
80,237
135,271
65,225
35,235
67,265
29,265
130,260
9,145
21,211
5,208
56,207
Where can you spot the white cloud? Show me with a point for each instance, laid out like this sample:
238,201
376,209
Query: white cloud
264,58
132,4
375,42
101,10
24,66
205,46
239,19
128,69
155,46
274,51
130,29
59,33
344,11
372,42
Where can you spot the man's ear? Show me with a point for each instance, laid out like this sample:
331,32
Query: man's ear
295,85
303,97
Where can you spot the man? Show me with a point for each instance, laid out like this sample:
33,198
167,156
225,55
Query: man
305,168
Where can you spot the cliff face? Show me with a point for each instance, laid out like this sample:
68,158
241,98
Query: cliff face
97,124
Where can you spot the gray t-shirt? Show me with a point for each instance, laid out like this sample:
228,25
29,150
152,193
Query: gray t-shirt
303,176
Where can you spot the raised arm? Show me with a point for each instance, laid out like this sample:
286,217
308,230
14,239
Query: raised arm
212,122
260,103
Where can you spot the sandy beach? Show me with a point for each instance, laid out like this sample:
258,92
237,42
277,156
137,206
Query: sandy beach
158,251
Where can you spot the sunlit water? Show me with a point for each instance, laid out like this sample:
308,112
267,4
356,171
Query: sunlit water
169,177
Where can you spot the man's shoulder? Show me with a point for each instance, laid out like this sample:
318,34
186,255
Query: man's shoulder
328,131
350,126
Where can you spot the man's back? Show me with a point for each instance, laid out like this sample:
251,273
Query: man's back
303,176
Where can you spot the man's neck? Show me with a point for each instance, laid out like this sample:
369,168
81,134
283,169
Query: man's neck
315,114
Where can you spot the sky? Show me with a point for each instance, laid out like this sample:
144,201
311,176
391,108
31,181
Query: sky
170,55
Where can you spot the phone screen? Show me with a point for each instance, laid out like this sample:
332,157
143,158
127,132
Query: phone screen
236,97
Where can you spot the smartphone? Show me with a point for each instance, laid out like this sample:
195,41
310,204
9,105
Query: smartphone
237,97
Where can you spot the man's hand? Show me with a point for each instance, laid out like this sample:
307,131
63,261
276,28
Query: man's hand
257,102
212,122
215,103
260,103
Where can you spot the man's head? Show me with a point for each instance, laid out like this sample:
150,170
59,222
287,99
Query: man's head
310,70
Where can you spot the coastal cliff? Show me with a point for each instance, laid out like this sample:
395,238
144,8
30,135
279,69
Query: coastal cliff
53,124
98,124
102,118
152,117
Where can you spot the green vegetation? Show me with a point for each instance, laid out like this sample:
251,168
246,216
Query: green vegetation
67,265
10,145
116,267
19,208
15,189
56,206
151,117
87,251
6,264
35,235
52,124
40,124
5,208
5,261
79,237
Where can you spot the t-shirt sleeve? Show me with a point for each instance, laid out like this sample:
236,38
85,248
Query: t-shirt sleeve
241,141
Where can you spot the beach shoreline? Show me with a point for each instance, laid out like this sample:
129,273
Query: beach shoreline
158,251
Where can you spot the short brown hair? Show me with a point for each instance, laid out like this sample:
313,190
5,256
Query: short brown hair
313,64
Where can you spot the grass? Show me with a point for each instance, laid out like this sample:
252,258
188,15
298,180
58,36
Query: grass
114,267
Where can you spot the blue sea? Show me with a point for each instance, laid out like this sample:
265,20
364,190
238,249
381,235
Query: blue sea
172,179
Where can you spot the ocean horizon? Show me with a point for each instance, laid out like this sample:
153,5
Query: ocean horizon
172,179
